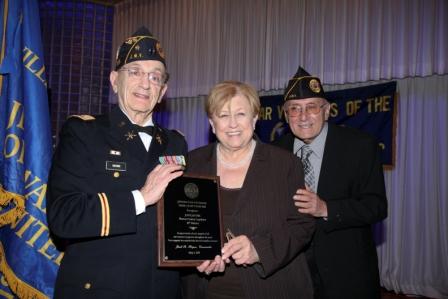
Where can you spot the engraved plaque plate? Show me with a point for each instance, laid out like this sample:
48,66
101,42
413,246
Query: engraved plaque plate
189,222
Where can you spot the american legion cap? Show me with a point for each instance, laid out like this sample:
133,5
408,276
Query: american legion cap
142,45
303,86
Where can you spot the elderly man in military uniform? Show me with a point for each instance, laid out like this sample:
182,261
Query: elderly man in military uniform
108,173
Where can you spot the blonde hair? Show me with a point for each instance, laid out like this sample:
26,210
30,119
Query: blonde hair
223,92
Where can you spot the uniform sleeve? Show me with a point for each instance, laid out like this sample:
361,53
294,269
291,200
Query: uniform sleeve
367,203
75,208
292,233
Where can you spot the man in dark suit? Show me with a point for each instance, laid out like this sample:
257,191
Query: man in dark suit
345,192
106,179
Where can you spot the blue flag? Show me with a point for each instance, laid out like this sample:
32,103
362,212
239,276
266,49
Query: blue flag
28,258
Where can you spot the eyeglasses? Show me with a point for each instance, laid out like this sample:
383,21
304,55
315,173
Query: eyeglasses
155,78
294,110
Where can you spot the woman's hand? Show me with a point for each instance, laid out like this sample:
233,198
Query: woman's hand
241,250
217,265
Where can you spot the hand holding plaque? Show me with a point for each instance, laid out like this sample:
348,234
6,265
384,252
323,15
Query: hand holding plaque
189,222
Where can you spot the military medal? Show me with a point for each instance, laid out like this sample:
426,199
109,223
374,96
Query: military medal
178,160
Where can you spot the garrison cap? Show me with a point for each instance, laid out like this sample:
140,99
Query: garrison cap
142,45
303,86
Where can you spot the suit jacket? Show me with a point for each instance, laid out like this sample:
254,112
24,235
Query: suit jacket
342,256
265,213
110,252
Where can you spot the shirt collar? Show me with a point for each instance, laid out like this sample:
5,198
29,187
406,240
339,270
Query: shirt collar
148,123
317,145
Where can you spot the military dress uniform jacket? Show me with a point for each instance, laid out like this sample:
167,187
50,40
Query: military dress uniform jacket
265,213
343,258
110,252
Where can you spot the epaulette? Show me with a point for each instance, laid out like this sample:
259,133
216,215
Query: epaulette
84,117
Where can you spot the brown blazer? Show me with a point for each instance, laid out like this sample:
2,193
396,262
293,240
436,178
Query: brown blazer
265,213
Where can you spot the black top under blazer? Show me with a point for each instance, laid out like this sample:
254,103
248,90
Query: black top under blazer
343,252
110,252
266,214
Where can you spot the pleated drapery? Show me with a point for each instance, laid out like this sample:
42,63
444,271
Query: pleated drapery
262,42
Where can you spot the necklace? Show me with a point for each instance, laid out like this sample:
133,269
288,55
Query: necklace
234,165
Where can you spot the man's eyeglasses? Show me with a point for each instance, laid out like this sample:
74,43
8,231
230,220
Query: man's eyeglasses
294,110
155,78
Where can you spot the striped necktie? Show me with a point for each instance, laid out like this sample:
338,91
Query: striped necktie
307,167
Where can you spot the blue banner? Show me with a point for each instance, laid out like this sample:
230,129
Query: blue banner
28,258
370,109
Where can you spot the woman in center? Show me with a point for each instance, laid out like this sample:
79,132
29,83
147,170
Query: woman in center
263,257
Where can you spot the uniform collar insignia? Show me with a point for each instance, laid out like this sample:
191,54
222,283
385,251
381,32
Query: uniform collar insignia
130,135
159,139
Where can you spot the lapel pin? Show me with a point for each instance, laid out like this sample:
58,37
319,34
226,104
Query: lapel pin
159,140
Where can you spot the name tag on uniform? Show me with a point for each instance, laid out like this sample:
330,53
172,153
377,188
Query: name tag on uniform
116,166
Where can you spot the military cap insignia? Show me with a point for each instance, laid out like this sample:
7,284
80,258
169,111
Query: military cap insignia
131,40
314,85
